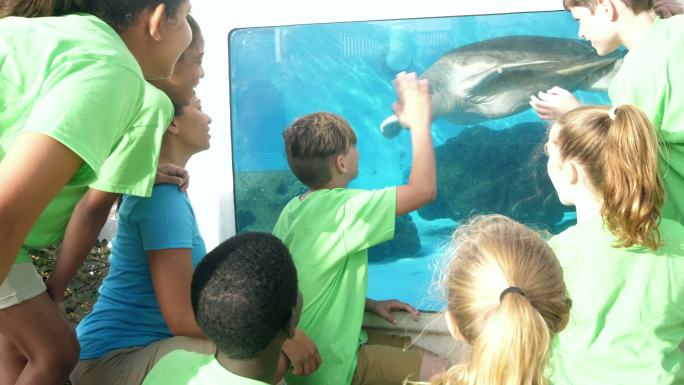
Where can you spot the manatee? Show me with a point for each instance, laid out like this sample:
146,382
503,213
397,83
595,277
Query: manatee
494,78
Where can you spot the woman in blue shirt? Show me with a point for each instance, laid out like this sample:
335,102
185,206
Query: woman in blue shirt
144,308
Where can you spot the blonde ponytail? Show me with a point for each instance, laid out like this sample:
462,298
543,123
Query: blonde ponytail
619,151
509,331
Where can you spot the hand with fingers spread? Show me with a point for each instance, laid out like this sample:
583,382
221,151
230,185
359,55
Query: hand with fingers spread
302,353
668,8
553,103
413,107
384,309
171,174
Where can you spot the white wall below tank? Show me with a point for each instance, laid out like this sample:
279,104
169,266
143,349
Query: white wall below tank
211,186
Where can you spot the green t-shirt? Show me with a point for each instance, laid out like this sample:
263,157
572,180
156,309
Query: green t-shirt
329,234
181,367
627,316
129,169
72,78
652,78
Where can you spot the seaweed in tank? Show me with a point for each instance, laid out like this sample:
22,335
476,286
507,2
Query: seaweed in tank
488,171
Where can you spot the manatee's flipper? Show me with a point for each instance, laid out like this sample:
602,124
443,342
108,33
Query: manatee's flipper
390,127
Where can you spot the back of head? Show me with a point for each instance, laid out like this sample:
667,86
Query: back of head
637,6
311,141
505,290
619,151
244,292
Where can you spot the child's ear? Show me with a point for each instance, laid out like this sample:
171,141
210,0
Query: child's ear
340,164
156,18
453,326
607,8
295,313
173,127
292,324
571,172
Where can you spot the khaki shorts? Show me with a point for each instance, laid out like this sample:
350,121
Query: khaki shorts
130,366
386,360
21,284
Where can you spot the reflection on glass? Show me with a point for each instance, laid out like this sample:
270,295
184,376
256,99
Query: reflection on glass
488,142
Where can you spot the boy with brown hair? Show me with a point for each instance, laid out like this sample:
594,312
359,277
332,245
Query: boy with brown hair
329,229
648,77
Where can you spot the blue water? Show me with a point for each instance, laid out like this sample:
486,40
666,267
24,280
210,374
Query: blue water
280,73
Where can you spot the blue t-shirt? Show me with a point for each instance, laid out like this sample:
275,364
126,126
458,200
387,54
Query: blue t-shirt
127,313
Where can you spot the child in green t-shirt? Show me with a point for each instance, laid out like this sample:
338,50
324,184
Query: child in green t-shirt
623,264
245,299
506,299
650,77
329,229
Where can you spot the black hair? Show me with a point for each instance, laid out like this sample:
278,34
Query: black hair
39,8
244,292
196,30
122,13
119,14
177,109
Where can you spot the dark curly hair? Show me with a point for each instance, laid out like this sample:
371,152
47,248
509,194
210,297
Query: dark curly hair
244,292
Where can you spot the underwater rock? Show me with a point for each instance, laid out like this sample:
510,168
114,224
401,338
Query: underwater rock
494,78
260,196
484,171
406,243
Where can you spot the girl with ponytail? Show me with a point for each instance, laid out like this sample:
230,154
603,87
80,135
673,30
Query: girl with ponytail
622,262
506,298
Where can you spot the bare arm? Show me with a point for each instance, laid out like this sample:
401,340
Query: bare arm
413,109
171,271
85,225
33,171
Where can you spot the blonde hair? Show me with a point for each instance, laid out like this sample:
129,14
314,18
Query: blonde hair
637,6
311,141
509,333
620,157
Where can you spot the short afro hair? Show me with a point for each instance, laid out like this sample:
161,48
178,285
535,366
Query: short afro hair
243,293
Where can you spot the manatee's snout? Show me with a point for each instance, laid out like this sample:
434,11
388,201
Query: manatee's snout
390,127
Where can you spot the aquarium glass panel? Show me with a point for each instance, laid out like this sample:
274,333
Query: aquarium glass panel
488,141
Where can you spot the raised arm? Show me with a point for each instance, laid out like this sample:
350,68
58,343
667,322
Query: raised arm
171,271
87,220
413,109
33,171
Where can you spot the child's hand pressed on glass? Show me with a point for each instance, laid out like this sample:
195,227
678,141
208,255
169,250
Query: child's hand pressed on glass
413,107
553,103
383,309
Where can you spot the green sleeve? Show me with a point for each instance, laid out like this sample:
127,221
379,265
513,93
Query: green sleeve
369,218
87,105
131,168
